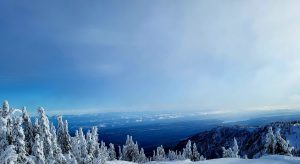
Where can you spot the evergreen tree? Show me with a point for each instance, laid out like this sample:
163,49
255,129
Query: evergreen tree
120,153
57,153
35,129
84,157
160,154
3,135
111,152
172,155
70,158
90,144
5,109
196,155
95,134
94,138
282,146
67,137
231,152
103,151
270,142
82,145
37,150
187,151
28,130
6,114
18,140
227,153
101,154
45,135
235,149
130,150
181,156
142,157
8,155
60,133
97,154
75,147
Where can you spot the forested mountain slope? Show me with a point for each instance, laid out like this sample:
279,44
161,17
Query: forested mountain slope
251,140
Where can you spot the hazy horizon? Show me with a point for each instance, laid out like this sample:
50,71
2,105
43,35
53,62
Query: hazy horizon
107,56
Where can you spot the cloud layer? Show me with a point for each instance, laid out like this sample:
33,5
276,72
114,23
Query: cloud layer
196,55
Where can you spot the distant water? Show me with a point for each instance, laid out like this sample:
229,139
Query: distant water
151,130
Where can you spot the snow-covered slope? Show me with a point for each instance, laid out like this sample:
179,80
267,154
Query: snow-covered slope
273,159
293,135
251,140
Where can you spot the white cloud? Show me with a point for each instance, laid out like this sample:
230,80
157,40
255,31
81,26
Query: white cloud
211,54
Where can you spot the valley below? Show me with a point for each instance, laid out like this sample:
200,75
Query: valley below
172,130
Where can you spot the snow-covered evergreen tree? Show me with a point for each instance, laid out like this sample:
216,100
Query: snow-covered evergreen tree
101,154
60,131
270,142
6,114
70,158
35,129
91,146
67,137
95,134
235,149
181,156
130,150
5,109
196,155
142,157
282,146
160,154
202,158
63,136
82,146
103,151
37,150
227,153
45,135
28,130
231,152
18,138
57,153
111,152
75,147
187,151
120,153
84,156
8,155
3,134
172,155
275,144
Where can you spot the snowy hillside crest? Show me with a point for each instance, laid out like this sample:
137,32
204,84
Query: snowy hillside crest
23,141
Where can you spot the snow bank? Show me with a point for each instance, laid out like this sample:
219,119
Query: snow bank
272,159
118,162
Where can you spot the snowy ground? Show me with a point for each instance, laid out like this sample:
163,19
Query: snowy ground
274,159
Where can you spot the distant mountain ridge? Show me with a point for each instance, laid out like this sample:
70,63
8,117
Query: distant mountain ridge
251,139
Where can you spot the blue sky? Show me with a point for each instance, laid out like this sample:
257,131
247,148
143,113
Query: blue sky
150,55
